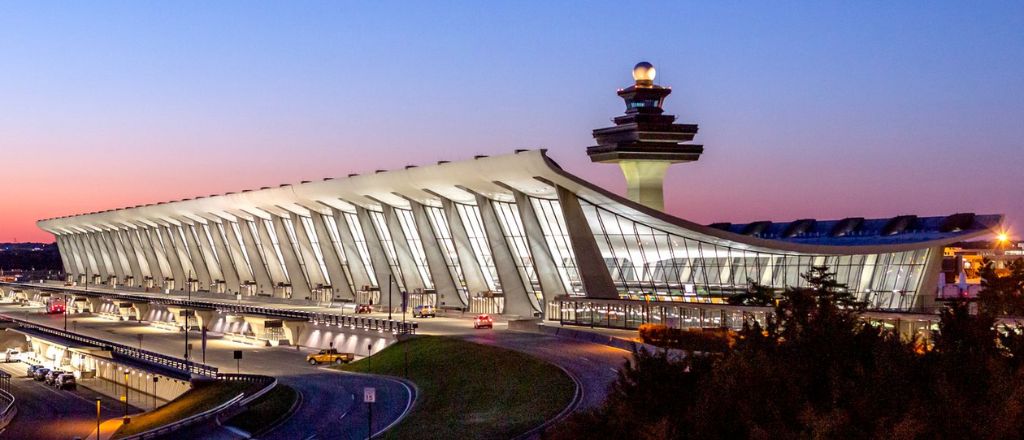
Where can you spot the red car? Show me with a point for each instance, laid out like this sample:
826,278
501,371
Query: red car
364,308
483,321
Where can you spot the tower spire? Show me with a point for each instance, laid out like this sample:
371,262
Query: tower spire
644,141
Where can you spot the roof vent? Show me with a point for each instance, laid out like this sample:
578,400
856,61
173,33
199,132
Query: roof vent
898,224
410,166
442,162
846,226
723,226
353,175
380,171
957,222
799,227
328,178
756,228
480,156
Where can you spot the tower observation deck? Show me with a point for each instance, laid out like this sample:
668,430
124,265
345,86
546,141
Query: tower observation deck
645,141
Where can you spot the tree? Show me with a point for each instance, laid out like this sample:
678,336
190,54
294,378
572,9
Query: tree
1002,294
757,294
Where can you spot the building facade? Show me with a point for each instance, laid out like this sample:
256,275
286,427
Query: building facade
513,234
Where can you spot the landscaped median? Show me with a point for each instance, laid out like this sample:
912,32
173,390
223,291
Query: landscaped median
194,401
469,390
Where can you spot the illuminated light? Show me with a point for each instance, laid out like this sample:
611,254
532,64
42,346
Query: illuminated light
1003,237
644,71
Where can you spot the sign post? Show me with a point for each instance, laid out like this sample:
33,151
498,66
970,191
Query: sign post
370,397
238,361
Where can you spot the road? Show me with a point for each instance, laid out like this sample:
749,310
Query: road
45,413
327,409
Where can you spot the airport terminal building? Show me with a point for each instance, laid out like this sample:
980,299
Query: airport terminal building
513,234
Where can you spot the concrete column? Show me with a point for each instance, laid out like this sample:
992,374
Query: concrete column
379,259
517,300
645,180
201,241
471,270
264,284
131,256
140,240
274,263
187,262
258,324
116,258
360,274
550,281
106,266
229,264
293,331
198,257
95,265
142,310
65,256
292,261
336,264
413,279
165,248
597,281
445,282
233,260
80,256
205,317
317,277
95,304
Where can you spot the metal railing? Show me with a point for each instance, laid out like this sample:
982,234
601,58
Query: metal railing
145,356
9,409
220,412
339,319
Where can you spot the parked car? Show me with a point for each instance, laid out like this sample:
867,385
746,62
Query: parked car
31,370
52,376
364,308
12,355
65,381
424,311
483,321
40,373
330,356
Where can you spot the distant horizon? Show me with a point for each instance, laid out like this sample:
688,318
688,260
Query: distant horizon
820,111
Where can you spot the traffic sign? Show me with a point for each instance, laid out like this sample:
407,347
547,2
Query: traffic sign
369,395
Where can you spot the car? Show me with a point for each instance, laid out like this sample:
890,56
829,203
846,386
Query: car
12,355
330,356
52,376
40,373
483,321
31,370
364,308
424,311
65,381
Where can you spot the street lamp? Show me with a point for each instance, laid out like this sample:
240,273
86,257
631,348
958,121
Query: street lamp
97,419
126,373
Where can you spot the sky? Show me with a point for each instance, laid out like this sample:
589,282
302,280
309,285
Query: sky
806,109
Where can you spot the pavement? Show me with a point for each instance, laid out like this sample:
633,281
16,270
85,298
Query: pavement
45,413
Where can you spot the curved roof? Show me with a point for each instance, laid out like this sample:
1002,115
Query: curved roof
528,171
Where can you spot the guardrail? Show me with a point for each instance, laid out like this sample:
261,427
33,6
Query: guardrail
340,319
9,409
220,412
146,356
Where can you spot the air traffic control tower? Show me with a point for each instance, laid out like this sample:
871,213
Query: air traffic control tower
644,141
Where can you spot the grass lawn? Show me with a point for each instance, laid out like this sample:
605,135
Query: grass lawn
470,390
266,411
193,401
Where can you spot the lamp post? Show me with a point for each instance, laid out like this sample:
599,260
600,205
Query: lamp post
126,373
65,312
188,287
97,419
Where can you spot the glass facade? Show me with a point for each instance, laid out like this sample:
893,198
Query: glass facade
293,240
652,264
246,274
259,247
556,236
318,253
384,235
470,216
443,235
360,239
515,236
339,250
408,223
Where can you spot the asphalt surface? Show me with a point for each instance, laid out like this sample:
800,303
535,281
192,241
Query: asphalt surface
327,409
45,413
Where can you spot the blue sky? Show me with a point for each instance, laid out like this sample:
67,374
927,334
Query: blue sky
806,109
